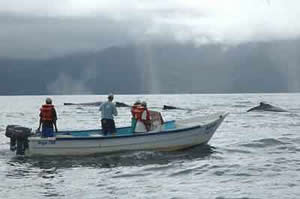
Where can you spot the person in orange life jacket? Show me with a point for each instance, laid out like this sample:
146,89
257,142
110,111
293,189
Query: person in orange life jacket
48,119
134,110
143,123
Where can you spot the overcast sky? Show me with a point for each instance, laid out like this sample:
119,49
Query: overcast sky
35,28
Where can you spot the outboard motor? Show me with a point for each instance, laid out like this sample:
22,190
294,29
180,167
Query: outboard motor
18,138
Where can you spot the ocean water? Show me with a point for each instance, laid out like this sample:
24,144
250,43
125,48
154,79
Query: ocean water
252,155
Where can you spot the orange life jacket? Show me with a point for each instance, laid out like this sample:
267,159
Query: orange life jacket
135,111
47,112
139,112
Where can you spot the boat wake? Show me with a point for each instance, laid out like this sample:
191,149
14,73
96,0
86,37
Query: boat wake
140,158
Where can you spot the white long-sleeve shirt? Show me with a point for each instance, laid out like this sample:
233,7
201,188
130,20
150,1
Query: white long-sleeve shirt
140,126
108,110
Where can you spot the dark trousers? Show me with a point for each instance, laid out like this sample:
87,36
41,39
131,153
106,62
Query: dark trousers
47,132
108,126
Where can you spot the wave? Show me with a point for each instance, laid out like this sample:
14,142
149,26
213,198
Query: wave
239,106
238,151
131,175
182,172
264,143
141,158
15,115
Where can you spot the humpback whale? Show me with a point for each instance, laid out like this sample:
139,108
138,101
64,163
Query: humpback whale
84,104
266,107
167,107
118,104
121,104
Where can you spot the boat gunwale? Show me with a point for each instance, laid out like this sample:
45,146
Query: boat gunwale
90,130
159,133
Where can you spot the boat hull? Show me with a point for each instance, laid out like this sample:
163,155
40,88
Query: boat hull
168,140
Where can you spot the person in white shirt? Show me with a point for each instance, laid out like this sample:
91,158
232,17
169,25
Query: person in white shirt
108,111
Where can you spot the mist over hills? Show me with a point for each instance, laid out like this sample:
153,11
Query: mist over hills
159,68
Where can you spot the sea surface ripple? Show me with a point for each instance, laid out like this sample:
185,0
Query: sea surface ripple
252,155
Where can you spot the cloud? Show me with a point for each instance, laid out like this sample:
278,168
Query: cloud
47,28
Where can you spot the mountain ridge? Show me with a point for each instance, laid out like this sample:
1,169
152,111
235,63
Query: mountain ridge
154,69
